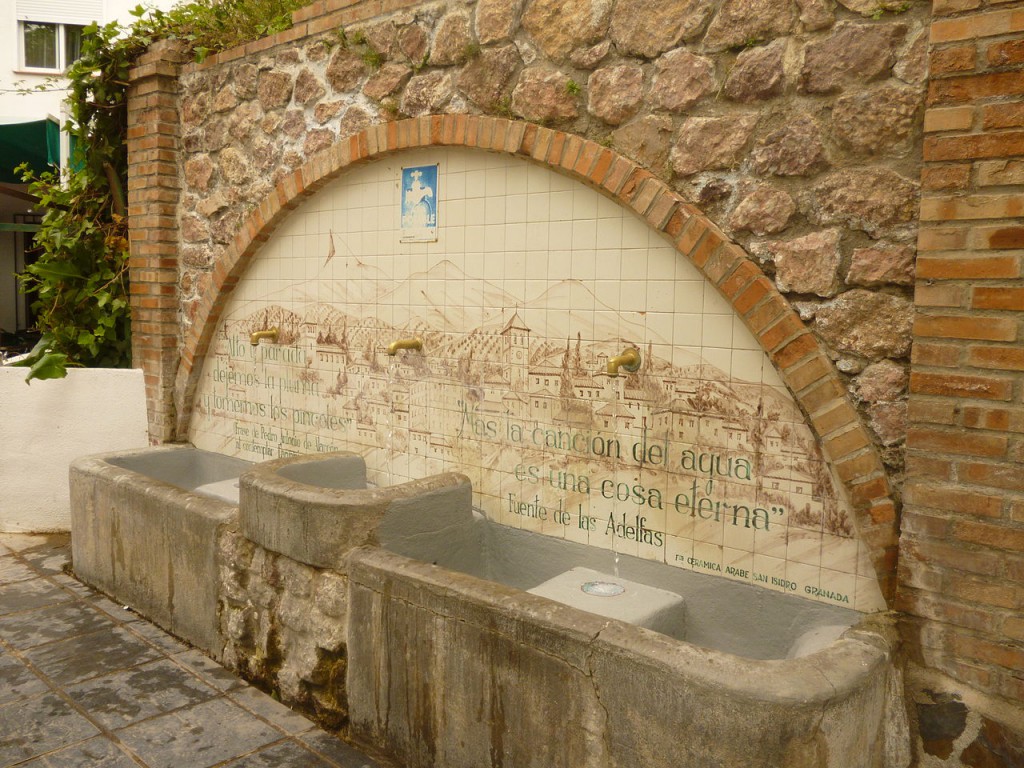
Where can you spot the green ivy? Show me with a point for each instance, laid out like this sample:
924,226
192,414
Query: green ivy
80,278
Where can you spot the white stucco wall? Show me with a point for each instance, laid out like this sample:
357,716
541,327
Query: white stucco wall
36,106
46,425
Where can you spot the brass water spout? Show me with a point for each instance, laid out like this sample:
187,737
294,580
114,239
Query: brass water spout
394,346
629,360
254,338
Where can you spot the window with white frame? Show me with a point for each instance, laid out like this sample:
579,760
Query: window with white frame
49,46
50,31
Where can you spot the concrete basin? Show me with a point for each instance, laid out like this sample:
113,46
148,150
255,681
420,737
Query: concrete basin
315,509
142,532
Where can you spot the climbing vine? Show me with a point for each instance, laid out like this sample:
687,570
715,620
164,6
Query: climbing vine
80,278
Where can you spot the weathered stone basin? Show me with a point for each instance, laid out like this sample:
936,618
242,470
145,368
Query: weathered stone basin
456,665
316,509
405,616
721,614
141,532
451,670
145,524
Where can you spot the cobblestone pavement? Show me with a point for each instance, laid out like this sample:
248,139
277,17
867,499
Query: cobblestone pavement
87,684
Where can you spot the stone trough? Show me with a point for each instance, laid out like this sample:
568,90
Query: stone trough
142,532
450,670
402,615
314,510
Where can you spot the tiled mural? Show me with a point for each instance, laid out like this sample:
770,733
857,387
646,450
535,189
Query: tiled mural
521,284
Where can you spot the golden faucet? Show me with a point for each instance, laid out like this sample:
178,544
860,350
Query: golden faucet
394,346
254,338
628,360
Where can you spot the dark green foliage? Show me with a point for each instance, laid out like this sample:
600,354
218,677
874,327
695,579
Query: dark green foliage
81,276
209,26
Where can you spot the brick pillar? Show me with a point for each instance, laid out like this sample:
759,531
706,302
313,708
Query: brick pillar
153,192
962,549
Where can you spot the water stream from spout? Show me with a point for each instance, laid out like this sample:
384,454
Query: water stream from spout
389,433
613,394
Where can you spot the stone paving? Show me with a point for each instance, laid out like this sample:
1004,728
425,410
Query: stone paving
85,683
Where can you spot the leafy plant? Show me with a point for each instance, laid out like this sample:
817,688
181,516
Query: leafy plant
209,26
885,7
372,57
44,363
418,65
80,278
389,107
572,87
504,108
750,42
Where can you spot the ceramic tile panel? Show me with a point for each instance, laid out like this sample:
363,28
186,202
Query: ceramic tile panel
700,459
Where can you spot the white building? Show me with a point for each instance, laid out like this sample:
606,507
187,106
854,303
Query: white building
38,39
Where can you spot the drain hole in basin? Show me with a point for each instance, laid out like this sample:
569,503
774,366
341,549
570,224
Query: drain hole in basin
603,588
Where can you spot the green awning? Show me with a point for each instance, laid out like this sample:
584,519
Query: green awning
76,161
36,142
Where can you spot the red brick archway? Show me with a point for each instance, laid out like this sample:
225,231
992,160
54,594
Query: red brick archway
796,352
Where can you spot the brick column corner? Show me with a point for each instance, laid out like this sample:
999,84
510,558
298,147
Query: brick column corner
961,576
153,192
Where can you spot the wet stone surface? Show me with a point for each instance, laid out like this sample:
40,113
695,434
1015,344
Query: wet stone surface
941,723
17,681
39,724
288,753
123,698
205,735
85,683
91,655
98,752
33,593
12,570
56,622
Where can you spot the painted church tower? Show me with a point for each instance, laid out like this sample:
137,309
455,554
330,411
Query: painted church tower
517,351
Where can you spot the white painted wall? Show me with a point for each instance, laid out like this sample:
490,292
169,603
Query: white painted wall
37,106
46,425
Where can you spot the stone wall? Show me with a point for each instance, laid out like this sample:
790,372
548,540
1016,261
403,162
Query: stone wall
284,625
795,129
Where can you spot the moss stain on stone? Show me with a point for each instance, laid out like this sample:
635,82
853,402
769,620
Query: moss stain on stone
328,695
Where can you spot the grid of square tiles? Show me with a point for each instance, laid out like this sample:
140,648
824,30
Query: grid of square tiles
519,238
625,275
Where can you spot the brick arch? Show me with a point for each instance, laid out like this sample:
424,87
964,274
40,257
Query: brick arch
795,351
